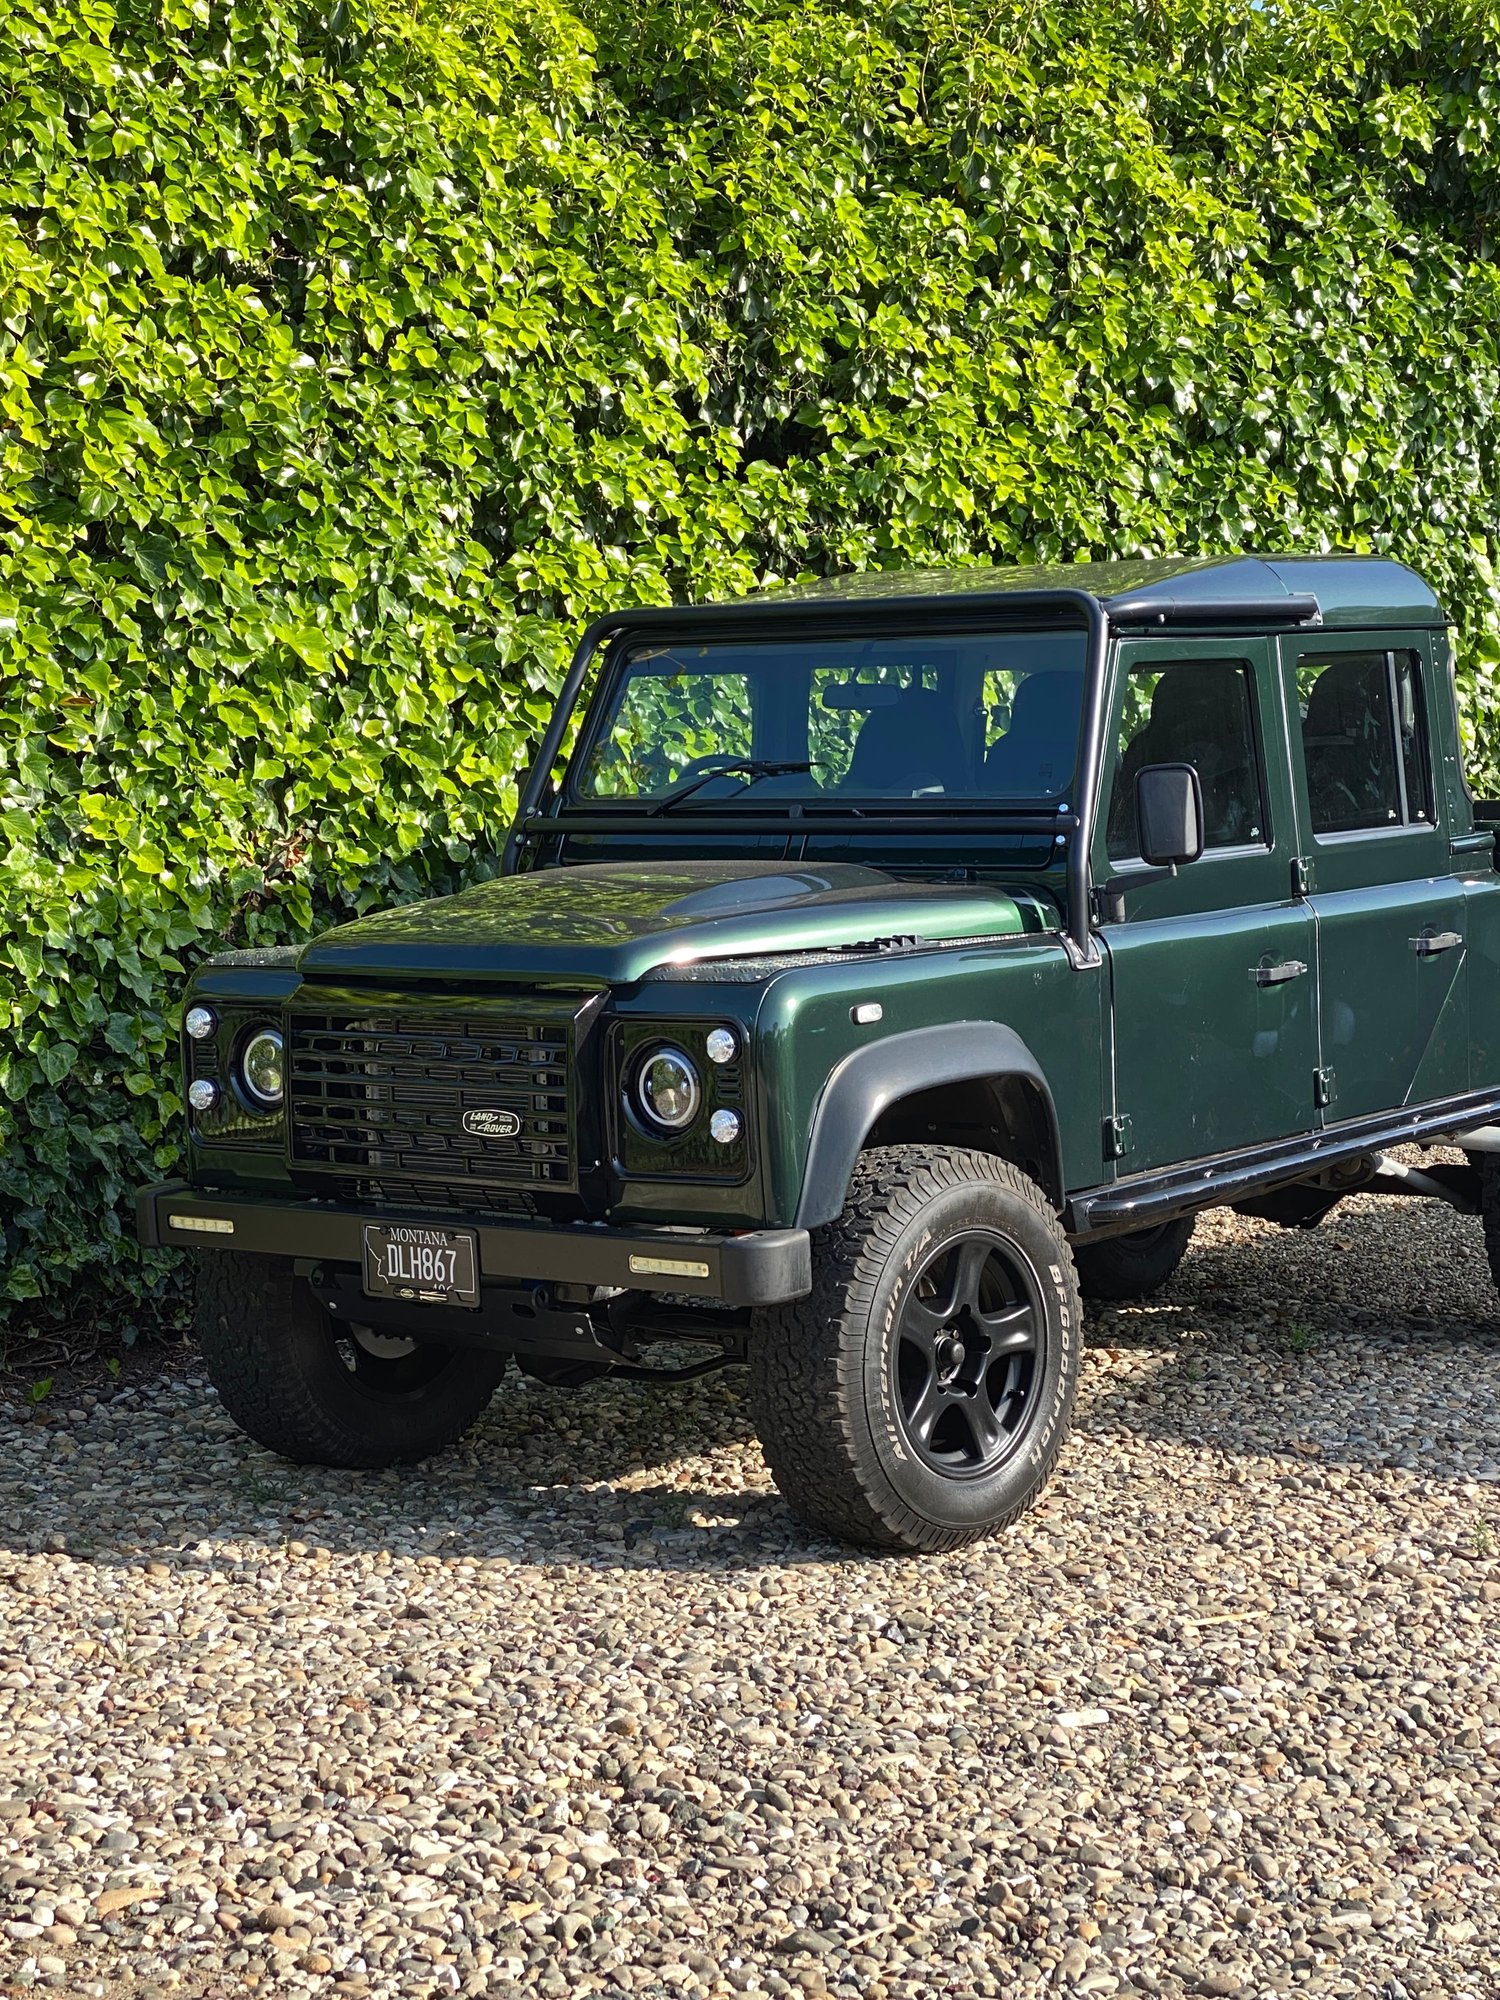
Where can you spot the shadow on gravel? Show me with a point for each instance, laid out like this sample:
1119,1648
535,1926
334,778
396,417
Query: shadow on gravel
1372,1344
618,1476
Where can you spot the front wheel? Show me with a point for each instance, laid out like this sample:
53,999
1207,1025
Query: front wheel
918,1397
324,1394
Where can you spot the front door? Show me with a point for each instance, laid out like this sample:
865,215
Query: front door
1390,917
1213,1000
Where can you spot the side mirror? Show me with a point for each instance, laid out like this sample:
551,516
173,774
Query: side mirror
1169,814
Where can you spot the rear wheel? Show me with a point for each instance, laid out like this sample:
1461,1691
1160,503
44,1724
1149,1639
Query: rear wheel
1133,1266
918,1397
1489,1207
322,1393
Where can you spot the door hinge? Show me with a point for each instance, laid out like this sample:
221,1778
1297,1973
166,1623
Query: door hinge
1301,875
1324,1088
1117,1137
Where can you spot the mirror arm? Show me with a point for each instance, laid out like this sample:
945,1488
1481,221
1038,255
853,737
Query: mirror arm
1109,897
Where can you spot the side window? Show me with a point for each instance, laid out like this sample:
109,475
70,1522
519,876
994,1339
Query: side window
1197,712
1364,741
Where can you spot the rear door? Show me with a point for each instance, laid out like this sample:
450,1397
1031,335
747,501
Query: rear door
1213,1002
1390,916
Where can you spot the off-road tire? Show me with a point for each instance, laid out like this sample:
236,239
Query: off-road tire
821,1371
272,1353
1133,1266
1489,1208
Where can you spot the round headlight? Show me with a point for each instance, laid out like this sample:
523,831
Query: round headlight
667,1089
263,1067
202,1094
721,1045
199,1022
725,1127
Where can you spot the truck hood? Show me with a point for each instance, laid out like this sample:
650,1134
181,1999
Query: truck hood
613,923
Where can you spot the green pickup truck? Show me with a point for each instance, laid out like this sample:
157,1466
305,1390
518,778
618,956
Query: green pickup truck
886,964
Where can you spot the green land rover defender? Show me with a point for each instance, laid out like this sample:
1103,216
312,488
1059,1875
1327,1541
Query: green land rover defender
887,963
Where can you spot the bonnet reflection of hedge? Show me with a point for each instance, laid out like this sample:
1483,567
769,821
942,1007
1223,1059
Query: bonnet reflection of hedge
348,359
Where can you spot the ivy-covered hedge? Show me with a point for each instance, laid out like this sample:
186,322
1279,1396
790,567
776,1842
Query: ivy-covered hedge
351,354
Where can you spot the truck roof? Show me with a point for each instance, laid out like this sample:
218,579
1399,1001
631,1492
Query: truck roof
1349,589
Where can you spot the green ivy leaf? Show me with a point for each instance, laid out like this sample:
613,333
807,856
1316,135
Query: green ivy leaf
351,361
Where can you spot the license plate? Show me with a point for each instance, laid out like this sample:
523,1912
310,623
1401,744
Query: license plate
407,1260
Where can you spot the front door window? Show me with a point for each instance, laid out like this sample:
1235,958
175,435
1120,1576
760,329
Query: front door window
1196,712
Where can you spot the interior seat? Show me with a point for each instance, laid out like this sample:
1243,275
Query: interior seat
912,746
1198,717
1036,755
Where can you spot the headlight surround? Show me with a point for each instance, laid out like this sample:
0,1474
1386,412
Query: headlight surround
667,1090
263,1068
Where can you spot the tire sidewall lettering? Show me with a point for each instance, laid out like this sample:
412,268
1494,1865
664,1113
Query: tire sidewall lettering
895,1299
1043,1441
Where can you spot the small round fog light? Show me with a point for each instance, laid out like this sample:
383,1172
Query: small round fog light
721,1045
202,1094
199,1022
725,1127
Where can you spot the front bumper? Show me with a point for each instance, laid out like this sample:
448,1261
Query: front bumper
759,1267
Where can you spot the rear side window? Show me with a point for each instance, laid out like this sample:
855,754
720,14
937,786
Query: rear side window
1364,741
1196,712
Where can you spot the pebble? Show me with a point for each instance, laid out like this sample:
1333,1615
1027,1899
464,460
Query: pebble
578,1708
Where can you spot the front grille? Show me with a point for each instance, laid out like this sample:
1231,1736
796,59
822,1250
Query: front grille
382,1094
472,1197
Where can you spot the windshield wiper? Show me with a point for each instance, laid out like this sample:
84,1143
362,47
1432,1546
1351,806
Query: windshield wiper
749,768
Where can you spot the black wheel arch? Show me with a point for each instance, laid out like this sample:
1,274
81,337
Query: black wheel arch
972,1084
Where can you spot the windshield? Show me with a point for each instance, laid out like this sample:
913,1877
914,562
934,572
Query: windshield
984,716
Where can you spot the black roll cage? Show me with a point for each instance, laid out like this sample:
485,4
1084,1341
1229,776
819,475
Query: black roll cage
976,611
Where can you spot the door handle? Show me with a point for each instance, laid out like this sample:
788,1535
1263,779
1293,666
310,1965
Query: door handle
1430,943
1277,975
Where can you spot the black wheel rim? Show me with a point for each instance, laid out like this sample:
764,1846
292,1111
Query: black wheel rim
969,1346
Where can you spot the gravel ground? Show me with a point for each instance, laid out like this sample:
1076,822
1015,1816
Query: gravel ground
580,1709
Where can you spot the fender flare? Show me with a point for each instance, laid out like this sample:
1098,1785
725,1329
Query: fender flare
872,1079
